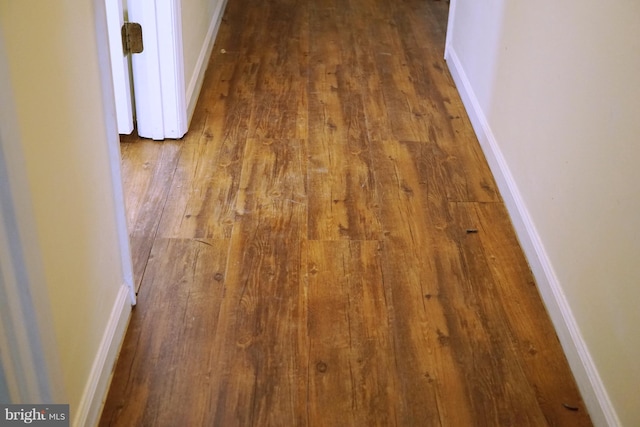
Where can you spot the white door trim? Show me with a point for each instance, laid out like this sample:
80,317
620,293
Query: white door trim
119,67
158,72
113,147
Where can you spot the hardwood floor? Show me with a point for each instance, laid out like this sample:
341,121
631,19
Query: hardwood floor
327,246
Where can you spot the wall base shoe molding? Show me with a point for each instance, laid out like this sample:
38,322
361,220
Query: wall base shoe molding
97,386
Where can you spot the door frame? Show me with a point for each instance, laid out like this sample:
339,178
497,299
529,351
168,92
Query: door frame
158,72
120,67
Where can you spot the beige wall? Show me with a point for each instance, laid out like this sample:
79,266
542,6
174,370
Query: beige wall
51,51
555,90
200,20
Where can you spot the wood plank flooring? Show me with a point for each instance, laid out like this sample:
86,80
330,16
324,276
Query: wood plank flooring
304,255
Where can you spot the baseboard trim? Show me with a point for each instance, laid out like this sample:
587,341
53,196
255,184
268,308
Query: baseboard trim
95,391
197,78
582,365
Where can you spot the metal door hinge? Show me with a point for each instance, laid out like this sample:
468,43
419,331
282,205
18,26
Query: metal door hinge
132,38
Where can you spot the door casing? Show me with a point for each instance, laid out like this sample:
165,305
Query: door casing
157,73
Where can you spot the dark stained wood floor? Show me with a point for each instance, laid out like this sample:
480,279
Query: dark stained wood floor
326,246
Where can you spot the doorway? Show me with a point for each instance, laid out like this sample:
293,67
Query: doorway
155,76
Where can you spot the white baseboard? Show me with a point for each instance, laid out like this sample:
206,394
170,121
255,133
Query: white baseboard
195,83
582,365
97,386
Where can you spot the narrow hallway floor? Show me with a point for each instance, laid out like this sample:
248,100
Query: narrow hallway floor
327,246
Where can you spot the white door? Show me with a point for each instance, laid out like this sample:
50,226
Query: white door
157,73
119,67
